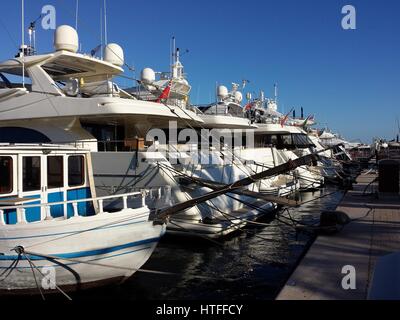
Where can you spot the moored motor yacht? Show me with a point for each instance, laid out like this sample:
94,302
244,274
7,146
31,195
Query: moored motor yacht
54,227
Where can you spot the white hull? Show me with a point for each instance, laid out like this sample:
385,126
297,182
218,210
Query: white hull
218,227
123,241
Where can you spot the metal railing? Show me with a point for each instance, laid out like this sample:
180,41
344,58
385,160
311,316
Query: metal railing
46,215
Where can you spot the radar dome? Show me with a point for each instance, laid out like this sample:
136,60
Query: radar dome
66,38
148,75
222,92
238,96
114,54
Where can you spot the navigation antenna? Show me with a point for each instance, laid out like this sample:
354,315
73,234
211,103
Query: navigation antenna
23,41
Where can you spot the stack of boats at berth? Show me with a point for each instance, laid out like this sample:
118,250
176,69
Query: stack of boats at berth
83,162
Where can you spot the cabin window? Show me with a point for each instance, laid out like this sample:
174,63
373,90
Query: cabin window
271,140
287,140
6,175
31,179
55,172
76,171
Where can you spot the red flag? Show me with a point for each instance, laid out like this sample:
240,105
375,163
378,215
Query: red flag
165,94
284,119
247,106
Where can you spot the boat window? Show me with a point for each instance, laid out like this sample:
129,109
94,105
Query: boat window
299,140
55,172
31,180
6,175
76,171
21,135
287,140
271,140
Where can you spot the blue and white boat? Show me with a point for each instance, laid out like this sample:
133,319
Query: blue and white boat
52,223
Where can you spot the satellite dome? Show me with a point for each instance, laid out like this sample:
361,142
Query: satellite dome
66,38
148,75
238,97
222,92
114,54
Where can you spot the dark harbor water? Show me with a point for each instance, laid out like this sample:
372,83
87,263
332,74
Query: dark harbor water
253,264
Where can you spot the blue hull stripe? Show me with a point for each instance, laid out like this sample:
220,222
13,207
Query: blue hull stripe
81,254
75,263
72,232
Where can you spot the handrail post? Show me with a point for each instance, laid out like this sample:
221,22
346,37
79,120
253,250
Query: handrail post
159,192
75,207
2,221
100,202
21,217
48,213
125,201
143,197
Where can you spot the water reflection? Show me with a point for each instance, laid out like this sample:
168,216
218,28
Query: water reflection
250,265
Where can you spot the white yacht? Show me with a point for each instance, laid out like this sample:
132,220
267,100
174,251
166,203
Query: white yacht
203,159
275,142
52,223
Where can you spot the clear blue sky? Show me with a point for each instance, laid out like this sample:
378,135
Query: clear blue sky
349,79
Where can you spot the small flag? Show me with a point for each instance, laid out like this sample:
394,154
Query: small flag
286,117
165,94
247,106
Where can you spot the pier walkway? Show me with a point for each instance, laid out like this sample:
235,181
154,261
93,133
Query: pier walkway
375,233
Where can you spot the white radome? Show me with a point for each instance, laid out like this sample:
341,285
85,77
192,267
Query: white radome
238,96
114,54
66,38
222,92
148,75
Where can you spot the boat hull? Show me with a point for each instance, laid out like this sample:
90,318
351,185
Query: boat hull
90,251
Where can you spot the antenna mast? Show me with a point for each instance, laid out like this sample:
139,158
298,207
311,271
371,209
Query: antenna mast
105,22
276,93
101,32
76,15
23,41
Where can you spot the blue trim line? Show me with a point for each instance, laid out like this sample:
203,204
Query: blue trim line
81,254
75,263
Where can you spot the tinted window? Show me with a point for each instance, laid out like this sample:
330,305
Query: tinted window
271,140
76,171
287,140
21,135
301,140
31,180
55,172
6,175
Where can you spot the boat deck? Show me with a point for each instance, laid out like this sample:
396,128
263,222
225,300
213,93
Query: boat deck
375,233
